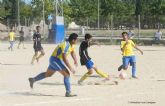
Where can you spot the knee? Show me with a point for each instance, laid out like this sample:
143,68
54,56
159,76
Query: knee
35,54
133,64
43,53
90,72
48,75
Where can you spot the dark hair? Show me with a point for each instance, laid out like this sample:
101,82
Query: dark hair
37,27
87,36
72,36
124,33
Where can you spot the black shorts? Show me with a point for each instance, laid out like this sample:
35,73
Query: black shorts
21,39
37,48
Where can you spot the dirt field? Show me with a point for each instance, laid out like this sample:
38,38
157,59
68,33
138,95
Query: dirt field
148,89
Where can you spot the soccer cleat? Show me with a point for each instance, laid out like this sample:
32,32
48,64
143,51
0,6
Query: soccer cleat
134,77
31,81
68,94
120,68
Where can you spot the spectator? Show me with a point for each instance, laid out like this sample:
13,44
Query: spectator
158,35
130,33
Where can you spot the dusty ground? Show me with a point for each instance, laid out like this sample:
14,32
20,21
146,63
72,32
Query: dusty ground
148,89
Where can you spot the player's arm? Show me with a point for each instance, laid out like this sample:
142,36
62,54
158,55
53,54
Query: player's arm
94,43
134,45
34,37
73,54
67,63
138,49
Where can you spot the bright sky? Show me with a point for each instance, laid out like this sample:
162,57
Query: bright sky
27,1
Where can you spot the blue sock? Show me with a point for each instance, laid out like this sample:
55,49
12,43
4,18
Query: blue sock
40,76
134,69
67,84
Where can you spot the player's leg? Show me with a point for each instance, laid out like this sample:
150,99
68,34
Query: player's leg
133,64
67,84
101,73
41,55
12,44
41,76
125,64
120,67
23,44
85,76
19,44
89,66
126,61
34,57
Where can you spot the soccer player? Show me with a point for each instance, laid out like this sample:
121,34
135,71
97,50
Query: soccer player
60,63
37,45
11,39
21,38
127,46
86,60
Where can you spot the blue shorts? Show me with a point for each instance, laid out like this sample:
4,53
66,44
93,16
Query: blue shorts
56,64
128,60
89,64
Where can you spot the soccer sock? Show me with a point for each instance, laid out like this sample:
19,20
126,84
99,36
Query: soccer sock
39,57
85,76
134,69
102,74
40,76
67,84
33,59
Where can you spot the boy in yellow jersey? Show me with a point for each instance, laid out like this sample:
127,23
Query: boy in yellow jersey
58,62
86,60
11,39
127,47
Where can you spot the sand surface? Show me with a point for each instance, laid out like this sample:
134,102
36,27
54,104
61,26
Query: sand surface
148,89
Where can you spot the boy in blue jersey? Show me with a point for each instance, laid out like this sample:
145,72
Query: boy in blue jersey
59,61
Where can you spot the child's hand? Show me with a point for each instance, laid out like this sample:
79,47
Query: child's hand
141,52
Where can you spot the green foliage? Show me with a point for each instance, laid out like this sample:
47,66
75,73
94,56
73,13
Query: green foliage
123,11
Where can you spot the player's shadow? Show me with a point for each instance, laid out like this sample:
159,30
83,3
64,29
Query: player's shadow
10,64
53,84
92,76
32,94
97,76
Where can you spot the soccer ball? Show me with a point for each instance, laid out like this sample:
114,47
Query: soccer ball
123,75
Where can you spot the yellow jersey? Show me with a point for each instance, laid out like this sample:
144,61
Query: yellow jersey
65,48
11,36
128,50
